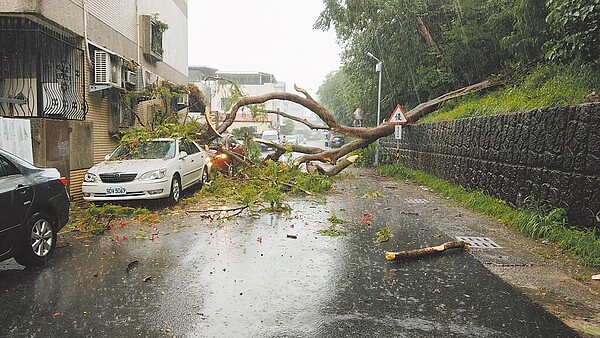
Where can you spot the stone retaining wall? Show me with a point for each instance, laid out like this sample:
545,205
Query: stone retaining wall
550,155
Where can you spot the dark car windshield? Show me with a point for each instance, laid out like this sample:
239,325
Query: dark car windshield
158,149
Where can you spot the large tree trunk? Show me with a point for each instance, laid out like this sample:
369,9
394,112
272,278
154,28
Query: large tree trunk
362,136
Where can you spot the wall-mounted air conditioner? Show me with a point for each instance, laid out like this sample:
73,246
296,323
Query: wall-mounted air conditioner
102,68
130,77
107,70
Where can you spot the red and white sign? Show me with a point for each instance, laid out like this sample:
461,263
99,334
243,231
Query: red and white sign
398,116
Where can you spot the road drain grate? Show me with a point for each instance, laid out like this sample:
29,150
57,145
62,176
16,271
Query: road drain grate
416,201
479,242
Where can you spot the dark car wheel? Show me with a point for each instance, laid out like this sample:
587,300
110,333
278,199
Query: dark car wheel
175,190
39,241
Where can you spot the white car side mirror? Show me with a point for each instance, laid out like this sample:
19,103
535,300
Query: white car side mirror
107,157
182,154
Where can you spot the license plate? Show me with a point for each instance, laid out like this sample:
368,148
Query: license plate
115,191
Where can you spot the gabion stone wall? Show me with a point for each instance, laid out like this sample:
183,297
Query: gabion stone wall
550,156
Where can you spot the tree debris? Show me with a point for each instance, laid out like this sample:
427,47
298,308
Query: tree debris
222,212
428,251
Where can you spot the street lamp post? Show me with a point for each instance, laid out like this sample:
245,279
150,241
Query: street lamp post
378,68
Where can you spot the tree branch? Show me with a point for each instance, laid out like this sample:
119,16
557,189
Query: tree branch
428,251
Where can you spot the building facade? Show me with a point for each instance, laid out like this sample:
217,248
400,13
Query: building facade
65,66
217,89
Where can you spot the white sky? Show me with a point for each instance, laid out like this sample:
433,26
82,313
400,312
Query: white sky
270,36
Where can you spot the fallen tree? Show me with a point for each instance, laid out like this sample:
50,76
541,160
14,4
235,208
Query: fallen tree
362,136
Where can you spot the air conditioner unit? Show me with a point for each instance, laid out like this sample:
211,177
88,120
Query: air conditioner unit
107,71
102,68
130,77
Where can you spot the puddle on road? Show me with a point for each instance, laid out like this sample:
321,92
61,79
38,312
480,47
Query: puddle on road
250,277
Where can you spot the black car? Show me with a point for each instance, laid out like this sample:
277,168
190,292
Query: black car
34,206
337,141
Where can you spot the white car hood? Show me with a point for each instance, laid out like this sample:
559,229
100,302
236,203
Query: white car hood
130,166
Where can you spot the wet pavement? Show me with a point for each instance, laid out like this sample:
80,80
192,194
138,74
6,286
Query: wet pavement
272,275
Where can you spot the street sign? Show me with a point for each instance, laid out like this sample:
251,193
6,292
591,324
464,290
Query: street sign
398,132
398,116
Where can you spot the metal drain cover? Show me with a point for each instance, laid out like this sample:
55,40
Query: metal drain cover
479,242
416,201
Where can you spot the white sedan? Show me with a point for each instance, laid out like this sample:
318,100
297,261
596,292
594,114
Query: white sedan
160,168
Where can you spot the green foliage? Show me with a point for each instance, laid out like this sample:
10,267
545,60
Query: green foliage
373,194
268,184
473,39
96,219
165,91
547,85
530,31
366,156
243,132
288,127
383,234
336,220
332,231
138,134
576,26
235,93
534,221
336,94
158,29
467,36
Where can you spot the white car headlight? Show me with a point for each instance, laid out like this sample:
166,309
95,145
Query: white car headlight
153,175
89,177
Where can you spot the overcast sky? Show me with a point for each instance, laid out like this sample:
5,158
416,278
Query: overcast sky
270,36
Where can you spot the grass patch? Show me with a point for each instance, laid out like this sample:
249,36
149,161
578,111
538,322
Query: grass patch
547,85
535,222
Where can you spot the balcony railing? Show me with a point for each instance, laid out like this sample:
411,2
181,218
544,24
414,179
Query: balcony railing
42,71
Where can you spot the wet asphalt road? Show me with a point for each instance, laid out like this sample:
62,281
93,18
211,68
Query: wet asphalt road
246,277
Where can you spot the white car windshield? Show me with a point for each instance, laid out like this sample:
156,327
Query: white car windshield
147,150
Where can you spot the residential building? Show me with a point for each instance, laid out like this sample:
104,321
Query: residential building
66,65
216,88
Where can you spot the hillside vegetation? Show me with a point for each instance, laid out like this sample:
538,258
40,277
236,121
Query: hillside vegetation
547,50
548,85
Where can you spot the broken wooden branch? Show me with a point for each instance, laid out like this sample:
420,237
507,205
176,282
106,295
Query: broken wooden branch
428,251
238,208
338,167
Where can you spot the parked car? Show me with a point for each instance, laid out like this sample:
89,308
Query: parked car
337,141
220,160
34,206
269,135
155,169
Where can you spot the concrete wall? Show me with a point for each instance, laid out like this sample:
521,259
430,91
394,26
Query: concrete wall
114,25
15,137
550,155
